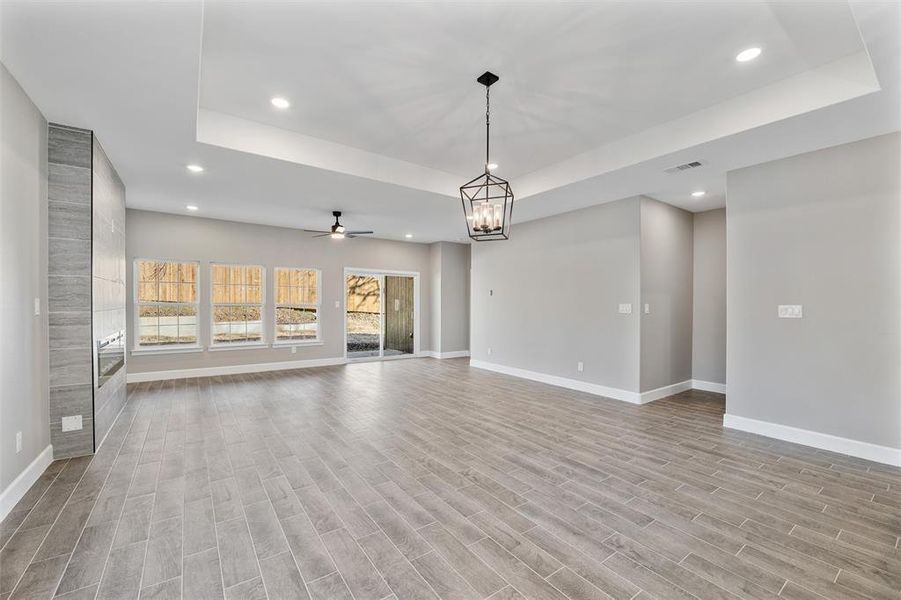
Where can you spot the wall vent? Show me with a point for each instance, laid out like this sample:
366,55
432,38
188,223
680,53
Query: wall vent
684,167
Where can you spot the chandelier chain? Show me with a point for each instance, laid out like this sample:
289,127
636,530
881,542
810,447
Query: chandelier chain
487,126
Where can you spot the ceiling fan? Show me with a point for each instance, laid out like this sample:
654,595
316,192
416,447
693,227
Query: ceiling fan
338,231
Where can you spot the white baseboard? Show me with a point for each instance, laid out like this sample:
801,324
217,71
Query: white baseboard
564,382
708,386
14,492
454,354
814,439
667,390
233,369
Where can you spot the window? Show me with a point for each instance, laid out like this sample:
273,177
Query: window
166,303
296,305
237,301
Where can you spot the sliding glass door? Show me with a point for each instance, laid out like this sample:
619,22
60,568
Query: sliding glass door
364,316
380,314
398,320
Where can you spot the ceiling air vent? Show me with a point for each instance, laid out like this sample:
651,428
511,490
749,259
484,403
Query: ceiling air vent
684,167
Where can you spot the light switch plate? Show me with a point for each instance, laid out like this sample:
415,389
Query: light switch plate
580,366
791,311
18,442
72,423
625,309
647,309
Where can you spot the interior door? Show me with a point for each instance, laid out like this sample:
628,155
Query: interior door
398,310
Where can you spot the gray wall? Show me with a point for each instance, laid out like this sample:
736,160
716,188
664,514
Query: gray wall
23,277
708,348
666,288
822,230
435,295
108,282
158,235
450,296
557,285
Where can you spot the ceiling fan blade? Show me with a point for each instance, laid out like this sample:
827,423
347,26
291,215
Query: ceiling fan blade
358,232
316,231
322,235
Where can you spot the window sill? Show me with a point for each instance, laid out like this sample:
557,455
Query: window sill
166,350
289,344
225,347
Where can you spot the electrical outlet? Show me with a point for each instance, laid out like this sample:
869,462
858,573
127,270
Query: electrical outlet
18,442
489,351
625,309
647,309
293,349
790,311
72,423
37,307
580,367
337,304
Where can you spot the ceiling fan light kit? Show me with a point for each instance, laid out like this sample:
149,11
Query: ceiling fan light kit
487,199
337,231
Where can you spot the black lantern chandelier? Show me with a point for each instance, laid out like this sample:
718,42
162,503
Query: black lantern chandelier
487,199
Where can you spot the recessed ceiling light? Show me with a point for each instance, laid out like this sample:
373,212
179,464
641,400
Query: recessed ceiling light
408,236
698,194
492,166
195,168
279,102
192,207
748,54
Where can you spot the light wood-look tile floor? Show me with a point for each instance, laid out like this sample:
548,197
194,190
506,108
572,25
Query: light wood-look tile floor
426,478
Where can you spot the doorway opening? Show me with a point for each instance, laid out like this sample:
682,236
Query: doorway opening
381,314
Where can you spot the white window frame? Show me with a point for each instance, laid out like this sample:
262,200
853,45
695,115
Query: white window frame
137,348
318,306
216,346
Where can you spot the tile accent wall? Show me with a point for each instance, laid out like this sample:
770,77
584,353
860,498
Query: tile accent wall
69,283
86,277
108,281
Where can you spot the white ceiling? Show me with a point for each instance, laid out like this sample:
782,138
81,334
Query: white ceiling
595,100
